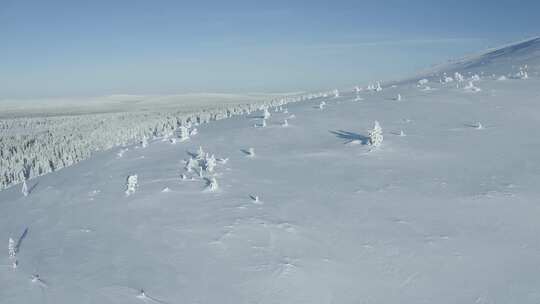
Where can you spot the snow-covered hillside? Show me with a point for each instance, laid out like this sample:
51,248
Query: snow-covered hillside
35,145
299,207
505,61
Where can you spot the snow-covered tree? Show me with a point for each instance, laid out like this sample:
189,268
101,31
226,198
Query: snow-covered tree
378,88
522,74
144,142
201,175
263,124
24,189
336,93
12,250
191,164
458,77
398,98
132,183
285,123
251,152
209,163
200,153
266,114
183,133
375,135
255,199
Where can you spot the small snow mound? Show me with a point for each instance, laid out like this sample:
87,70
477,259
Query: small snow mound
166,189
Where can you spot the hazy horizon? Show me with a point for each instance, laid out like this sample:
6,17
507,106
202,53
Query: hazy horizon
67,49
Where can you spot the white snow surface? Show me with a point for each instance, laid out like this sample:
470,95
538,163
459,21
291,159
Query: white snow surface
502,61
447,214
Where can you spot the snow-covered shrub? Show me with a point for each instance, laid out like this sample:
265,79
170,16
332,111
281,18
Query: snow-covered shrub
475,77
132,183
142,295
398,98
447,79
322,105
422,82
251,152
502,78
401,133
479,126
378,88
471,87
522,74
263,124
37,280
212,184
144,142
285,123
336,93
375,135
120,153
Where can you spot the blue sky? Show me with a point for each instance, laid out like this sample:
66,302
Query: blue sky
81,48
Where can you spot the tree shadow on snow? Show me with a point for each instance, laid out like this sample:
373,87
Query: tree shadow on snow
192,154
351,137
21,238
31,189
246,152
470,125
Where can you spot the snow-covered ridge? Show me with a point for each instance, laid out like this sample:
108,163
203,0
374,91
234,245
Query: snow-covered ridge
506,61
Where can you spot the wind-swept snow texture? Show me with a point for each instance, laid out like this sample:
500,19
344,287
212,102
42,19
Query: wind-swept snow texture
447,214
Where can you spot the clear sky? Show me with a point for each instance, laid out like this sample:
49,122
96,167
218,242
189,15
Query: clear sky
81,48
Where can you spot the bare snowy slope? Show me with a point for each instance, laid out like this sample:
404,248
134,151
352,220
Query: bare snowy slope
506,60
444,211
